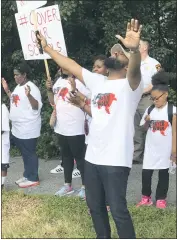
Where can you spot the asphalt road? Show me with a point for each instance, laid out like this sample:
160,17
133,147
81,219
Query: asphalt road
50,183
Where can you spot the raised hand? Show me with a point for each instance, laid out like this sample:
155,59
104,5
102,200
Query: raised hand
5,85
27,90
132,37
42,39
76,101
73,83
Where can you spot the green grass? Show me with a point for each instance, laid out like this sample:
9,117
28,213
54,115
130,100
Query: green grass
26,216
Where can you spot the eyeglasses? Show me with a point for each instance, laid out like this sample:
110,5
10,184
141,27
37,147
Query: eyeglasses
156,98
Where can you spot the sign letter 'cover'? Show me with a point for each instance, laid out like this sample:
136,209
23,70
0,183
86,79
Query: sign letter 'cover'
49,24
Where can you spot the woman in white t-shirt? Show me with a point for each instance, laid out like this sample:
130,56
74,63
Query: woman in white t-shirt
25,109
83,101
158,146
69,127
5,142
59,168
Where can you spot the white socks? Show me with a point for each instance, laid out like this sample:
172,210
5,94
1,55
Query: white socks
3,180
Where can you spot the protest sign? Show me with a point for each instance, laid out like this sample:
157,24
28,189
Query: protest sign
49,24
29,5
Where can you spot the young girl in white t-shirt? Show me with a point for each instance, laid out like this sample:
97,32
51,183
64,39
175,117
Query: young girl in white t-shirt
159,147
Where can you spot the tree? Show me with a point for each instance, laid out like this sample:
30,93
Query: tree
90,27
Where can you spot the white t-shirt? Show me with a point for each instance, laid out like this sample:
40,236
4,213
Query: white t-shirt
88,118
26,122
5,136
158,143
149,67
113,106
70,119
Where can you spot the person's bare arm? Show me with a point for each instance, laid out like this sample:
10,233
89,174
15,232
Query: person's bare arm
86,108
74,90
50,91
147,122
134,73
50,97
6,87
80,95
64,62
173,156
80,103
32,100
131,41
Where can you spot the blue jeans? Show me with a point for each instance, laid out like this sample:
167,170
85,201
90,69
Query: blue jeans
108,183
27,148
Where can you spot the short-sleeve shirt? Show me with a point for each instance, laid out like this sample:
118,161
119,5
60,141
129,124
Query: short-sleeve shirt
113,106
149,67
26,122
70,119
158,144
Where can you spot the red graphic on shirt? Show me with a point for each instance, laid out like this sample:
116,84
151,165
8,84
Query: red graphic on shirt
15,99
104,100
159,126
63,93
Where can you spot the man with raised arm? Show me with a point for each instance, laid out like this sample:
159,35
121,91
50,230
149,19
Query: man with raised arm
110,145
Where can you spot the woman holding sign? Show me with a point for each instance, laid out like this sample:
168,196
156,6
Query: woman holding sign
25,109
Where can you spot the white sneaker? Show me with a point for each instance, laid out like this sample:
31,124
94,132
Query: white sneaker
76,173
58,169
21,180
27,183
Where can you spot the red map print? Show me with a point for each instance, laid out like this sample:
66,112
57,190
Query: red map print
159,126
15,99
63,93
104,100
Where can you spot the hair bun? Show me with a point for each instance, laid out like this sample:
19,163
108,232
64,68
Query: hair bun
160,78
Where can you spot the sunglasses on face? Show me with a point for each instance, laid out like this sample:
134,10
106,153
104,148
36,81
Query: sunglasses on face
156,98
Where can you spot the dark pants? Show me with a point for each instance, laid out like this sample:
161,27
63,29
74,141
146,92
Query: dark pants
72,147
27,148
140,132
162,186
108,183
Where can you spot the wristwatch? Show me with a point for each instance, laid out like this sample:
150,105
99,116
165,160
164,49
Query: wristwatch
134,51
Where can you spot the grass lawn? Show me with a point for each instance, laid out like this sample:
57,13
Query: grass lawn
26,216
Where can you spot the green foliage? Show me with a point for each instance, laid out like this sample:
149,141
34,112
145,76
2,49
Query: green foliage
90,28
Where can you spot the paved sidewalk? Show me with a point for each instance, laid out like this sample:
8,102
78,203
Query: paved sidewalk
50,183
